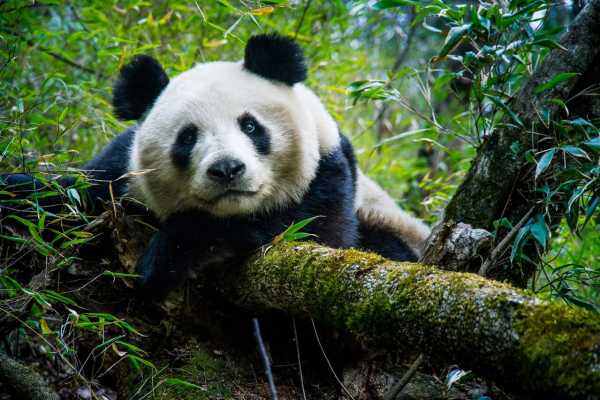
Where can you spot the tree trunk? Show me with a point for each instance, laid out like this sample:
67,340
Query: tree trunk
500,184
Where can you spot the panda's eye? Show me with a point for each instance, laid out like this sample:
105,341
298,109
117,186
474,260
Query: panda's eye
189,138
188,135
248,126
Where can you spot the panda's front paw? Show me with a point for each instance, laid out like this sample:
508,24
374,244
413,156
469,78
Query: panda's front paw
159,268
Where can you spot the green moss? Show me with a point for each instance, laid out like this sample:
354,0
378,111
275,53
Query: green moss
205,375
564,344
502,332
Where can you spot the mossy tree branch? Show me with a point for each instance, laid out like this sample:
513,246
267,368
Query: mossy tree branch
503,333
22,381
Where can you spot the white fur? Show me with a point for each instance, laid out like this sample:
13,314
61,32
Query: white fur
376,208
213,96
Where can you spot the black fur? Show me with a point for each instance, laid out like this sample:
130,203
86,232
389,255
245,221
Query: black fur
110,166
275,57
385,243
181,152
348,151
330,196
139,84
260,137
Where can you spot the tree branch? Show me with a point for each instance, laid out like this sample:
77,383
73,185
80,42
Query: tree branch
23,381
500,332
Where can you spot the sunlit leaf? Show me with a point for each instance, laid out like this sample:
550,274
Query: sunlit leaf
544,162
454,37
538,230
594,143
263,10
44,327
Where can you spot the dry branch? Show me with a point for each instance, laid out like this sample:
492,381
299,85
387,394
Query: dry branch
498,331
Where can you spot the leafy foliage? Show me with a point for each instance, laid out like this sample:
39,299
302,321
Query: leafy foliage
416,100
488,53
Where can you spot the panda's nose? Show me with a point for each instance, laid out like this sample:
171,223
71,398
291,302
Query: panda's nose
226,171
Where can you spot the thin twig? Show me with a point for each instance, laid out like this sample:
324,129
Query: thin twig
398,386
298,355
265,358
504,243
328,362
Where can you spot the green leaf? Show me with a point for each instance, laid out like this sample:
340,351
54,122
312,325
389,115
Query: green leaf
593,143
592,205
57,297
580,122
561,104
383,4
538,230
137,362
108,342
510,112
516,248
455,35
503,223
574,151
544,162
554,81
575,197
549,43
181,382
293,231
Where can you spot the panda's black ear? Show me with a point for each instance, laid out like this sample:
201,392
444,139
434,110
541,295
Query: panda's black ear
275,57
137,87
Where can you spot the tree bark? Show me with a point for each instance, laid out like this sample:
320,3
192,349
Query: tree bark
23,381
500,332
492,187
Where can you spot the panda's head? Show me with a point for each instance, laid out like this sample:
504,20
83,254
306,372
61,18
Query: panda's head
229,138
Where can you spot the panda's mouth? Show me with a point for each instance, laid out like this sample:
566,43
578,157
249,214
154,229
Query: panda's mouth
231,194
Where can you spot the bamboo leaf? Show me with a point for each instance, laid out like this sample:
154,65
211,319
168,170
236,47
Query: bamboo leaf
538,230
383,4
558,79
544,162
593,144
455,35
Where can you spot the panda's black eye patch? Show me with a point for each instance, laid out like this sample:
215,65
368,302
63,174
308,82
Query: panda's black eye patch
256,132
181,153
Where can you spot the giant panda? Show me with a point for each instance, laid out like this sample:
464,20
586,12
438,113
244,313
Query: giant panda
228,154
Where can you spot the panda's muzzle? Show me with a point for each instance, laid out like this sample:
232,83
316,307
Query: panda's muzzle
226,171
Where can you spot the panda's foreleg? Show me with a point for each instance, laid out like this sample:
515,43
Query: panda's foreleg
186,242
160,267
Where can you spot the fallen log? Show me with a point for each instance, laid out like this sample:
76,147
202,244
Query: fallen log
527,344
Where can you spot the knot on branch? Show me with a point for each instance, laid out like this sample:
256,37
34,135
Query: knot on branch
457,246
